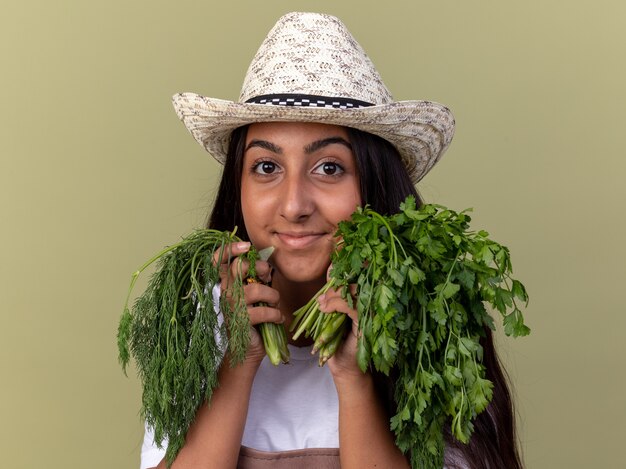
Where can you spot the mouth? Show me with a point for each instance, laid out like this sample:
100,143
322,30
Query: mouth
296,240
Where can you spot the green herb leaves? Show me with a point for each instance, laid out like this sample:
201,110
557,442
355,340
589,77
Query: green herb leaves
423,282
175,337
423,279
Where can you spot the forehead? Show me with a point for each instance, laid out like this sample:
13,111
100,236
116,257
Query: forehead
294,131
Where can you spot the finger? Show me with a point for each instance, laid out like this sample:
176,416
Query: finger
332,301
238,268
228,251
261,314
352,288
264,271
258,293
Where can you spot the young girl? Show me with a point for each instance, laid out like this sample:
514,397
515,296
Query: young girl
314,135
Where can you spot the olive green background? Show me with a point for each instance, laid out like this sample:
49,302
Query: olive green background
97,174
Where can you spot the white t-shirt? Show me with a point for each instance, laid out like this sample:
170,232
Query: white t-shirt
292,406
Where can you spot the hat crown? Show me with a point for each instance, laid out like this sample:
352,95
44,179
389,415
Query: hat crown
313,54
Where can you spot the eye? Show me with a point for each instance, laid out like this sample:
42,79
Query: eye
329,168
265,167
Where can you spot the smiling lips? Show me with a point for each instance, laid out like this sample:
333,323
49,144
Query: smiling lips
299,240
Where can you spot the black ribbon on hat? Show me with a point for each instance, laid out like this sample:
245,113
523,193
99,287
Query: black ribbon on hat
308,100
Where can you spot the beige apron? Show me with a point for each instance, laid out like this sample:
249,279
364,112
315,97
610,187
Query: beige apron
312,458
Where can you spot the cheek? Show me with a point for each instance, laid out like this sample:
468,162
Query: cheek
341,206
255,210
248,208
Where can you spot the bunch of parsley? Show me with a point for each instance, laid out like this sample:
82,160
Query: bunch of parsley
423,280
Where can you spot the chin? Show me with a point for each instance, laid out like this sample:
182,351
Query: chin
302,272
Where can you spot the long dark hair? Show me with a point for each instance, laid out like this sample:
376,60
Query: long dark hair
384,184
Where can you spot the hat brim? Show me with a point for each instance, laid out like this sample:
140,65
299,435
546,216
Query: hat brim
420,130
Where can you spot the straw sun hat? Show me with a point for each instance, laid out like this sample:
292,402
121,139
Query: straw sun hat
309,68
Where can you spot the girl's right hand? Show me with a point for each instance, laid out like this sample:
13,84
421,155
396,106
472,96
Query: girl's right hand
254,293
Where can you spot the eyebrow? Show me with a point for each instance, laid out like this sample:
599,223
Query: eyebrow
319,144
264,144
308,149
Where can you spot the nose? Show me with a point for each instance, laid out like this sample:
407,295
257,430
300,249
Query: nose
297,200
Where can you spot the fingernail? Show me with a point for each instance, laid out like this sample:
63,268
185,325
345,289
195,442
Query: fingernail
322,300
243,245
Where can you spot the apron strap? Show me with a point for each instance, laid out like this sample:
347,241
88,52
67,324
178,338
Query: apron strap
311,458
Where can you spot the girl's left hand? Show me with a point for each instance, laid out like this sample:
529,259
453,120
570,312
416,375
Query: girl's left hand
343,363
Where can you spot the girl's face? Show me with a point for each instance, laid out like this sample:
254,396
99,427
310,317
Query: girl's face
299,180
